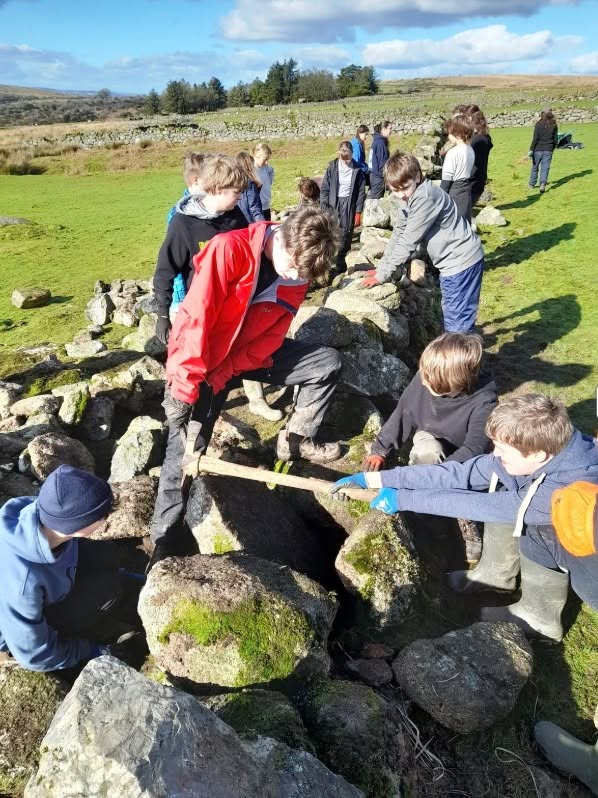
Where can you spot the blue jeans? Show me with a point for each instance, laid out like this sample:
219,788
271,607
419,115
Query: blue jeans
541,161
461,297
540,544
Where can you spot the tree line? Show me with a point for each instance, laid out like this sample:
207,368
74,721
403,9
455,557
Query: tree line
284,83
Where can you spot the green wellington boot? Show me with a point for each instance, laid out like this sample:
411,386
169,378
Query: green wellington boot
569,754
543,596
498,566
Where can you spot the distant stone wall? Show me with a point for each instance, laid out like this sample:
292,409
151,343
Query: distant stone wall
285,123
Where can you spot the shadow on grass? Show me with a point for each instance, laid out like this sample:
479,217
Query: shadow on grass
518,250
517,362
584,416
59,300
533,198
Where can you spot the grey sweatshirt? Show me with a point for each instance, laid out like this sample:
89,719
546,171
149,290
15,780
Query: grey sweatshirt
431,217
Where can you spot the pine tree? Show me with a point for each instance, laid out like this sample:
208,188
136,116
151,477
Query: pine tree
152,103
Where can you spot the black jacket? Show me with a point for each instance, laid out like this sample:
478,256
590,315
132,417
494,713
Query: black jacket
186,236
329,191
544,138
458,421
481,145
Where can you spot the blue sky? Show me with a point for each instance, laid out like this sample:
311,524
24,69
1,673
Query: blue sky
136,45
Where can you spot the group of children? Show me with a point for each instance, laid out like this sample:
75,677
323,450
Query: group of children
518,466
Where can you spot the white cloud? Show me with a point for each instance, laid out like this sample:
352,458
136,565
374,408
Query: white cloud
483,47
323,56
586,64
336,20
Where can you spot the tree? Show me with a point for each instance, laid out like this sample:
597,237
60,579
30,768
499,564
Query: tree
355,81
317,85
216,94
257,92
176,98
104,95
152,103
238,95
281,82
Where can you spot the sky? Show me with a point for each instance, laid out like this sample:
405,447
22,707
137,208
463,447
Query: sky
132,46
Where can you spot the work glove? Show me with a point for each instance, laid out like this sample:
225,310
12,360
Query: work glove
354,481
357,219
177,412
375,462
387,501
163,326
370,280
530,154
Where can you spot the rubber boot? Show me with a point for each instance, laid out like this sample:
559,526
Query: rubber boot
257,404
498,566
568,754
543,596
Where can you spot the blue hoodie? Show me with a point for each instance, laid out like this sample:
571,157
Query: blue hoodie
460,490
33,577
378,155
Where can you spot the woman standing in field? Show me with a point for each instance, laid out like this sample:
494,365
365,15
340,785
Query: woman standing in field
458,165
265,175
543,145
249,201
481,144
343,190
379,154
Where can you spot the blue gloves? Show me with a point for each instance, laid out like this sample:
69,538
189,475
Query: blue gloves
387,501
354,481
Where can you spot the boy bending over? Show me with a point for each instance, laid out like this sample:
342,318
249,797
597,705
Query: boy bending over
233,322
536,451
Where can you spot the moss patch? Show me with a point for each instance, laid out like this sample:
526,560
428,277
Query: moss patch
80,406
28,701
222,544
379,556
46,384
269,634
270,714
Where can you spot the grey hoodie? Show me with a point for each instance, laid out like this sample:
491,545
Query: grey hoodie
431,217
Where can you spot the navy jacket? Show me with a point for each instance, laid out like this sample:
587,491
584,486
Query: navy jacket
329,189
378,155
251,204
33,577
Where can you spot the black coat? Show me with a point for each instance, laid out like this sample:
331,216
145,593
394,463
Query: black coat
481,145
329,193
544,138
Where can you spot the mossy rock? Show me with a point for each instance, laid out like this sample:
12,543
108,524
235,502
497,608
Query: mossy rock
265,713
28,702
46,384
377,564
236,621
347,722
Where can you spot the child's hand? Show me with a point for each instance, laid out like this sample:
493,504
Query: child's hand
374,462
354,481
387,501
370,280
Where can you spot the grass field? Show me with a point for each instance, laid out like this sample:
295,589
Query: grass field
102,215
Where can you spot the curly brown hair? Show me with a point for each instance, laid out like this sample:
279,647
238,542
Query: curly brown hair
312,237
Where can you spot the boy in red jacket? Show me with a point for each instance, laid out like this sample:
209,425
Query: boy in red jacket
248,285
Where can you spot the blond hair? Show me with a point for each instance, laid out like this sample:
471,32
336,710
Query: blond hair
192,166
450,364
311,236
220,172
261,148
531,423
247,166
401,167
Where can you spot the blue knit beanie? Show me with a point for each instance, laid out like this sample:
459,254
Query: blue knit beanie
71,499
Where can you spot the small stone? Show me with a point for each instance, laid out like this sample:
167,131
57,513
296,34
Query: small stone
74,402
375,214
417,271
9,393
85,349
99,310
124,317
33,405
377,651
132,511
490,217
374,672
137,450
26,298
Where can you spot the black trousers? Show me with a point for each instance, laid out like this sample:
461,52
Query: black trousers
97,590
376,187
314,370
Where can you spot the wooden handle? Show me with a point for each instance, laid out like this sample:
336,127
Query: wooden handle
213,465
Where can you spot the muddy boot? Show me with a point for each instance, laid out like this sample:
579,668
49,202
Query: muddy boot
498,566
472,540
291,446
257,404
543,596
568,754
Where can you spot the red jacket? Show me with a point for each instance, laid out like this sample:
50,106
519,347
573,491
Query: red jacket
218,332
